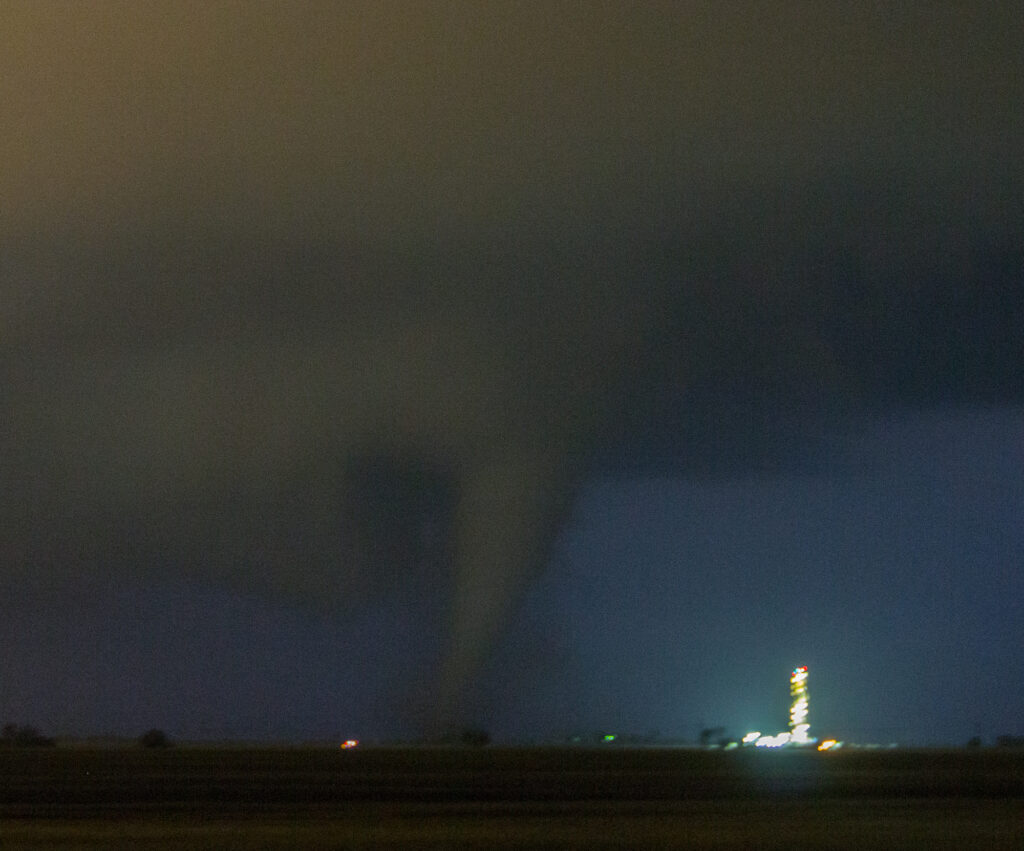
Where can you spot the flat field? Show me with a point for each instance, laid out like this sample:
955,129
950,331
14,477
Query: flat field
63,798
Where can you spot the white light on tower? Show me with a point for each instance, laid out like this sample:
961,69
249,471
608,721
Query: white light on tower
799,706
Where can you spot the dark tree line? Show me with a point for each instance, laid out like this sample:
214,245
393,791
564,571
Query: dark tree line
154,739
22,736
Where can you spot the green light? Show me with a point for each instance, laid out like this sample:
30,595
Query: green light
610,737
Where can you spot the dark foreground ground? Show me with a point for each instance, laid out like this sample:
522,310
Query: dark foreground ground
509,798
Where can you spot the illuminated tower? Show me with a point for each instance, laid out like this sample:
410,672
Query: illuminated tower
798,725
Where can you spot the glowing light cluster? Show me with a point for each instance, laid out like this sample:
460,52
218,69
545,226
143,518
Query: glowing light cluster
348,744
799,727
829,744
777,741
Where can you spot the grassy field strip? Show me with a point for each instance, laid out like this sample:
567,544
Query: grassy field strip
837,825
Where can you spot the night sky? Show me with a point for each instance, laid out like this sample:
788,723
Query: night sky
370,369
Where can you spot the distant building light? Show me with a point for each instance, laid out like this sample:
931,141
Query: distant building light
348,744
799,706
777,741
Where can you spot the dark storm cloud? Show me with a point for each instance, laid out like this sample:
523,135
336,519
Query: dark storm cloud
248,248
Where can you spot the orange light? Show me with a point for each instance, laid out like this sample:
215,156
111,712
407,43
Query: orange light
348,744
